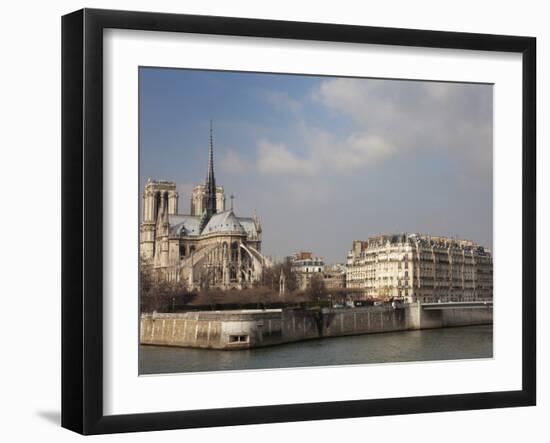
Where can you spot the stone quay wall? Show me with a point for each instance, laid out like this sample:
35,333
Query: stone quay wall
257,328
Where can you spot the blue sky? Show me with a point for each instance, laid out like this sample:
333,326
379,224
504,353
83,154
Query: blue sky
326,160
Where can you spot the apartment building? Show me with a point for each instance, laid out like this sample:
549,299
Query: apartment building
420,268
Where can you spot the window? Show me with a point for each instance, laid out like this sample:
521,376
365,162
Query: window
238,338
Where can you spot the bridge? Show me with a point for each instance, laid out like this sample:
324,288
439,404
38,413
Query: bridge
456,305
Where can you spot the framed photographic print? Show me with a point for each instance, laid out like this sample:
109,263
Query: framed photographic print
269,221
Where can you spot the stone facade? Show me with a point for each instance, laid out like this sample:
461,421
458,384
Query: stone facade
209,248
198,198
305,265
334,277
420,268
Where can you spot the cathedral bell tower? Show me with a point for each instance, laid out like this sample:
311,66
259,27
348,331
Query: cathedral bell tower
209,186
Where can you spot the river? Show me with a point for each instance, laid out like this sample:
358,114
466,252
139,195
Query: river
430,344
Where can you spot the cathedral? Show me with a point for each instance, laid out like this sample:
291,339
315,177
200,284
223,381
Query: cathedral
209,248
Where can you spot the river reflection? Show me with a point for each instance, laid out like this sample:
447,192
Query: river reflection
433,344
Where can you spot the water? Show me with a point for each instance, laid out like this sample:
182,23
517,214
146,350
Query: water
432,344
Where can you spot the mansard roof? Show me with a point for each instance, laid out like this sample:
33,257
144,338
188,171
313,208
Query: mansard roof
424,240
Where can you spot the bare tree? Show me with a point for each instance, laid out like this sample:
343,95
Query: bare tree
316,290
156,293
271,276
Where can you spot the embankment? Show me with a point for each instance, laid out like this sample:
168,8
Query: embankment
256,328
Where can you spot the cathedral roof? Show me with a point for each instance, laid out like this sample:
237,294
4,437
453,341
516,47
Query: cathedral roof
184,224
249,225
224,222
227,221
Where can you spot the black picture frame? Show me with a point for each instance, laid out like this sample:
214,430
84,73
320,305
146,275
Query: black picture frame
82,218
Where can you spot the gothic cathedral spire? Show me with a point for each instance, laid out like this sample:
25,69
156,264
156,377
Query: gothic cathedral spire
210,179
209,185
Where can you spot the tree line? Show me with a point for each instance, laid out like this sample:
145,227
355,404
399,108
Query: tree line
157,294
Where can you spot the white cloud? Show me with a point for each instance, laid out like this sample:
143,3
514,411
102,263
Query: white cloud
233,163
356,151
343,94
275,158
325,153
282,101
453,119
388,119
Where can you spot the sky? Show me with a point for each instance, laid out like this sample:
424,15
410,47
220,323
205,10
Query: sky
325,160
